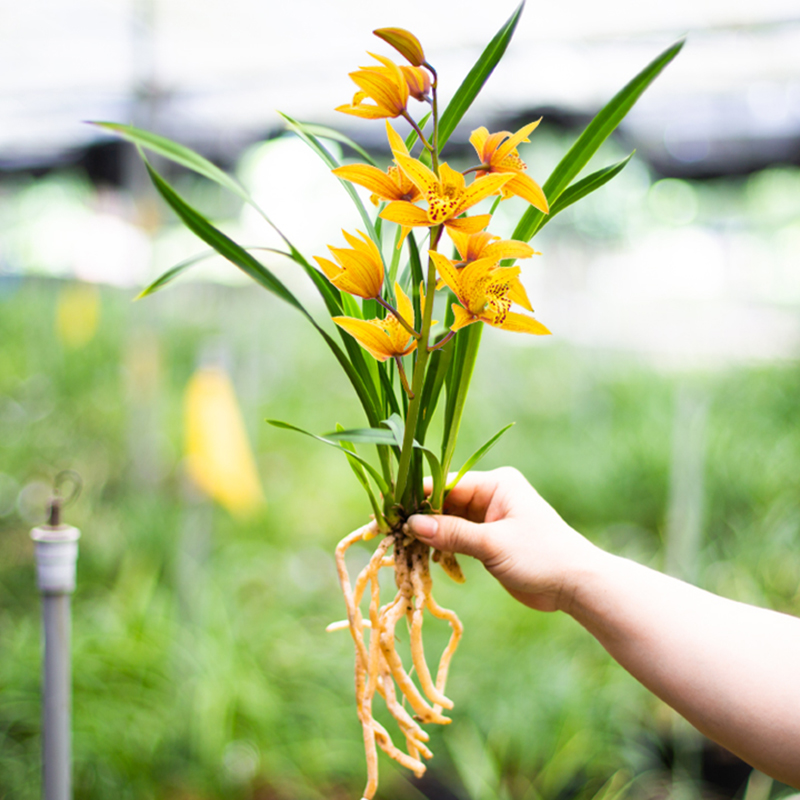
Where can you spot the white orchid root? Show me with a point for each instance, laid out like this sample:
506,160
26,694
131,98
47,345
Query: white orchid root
378,664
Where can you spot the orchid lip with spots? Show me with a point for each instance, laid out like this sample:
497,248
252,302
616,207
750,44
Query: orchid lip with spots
379,294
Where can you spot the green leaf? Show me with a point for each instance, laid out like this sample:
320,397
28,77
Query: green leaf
586,186
431,390
237,255
365,436
178,153
415,265
458,379
223,244
476,457
587,144
396,425
178,269
302,131
361,475
324,132
350,307
478,75
329,440
388,388
186,157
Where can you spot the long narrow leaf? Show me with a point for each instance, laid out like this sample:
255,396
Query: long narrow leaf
396,425
226,247
361,475
432,388
477,456
586,186
178,153
173,272
388,389
313,142
376,476
324,132
186,157
365,436
587,144
223,244
458,395
478,75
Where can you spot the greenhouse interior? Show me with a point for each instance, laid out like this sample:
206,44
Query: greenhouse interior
660,417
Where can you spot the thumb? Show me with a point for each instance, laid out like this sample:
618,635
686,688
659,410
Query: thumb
450,534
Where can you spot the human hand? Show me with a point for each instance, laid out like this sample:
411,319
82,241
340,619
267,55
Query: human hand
500,519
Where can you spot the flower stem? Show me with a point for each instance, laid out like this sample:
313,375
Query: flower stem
428,146
435,109
403,379
450,335
419,376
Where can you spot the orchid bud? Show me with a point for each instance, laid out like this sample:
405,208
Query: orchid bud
404,42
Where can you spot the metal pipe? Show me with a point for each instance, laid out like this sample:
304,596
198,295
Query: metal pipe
56,557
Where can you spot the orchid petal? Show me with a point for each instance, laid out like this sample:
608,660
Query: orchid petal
511,143
528,189
404,305
406,214
519,323
447,271
478,140
423,178
462,318
367,111
370,178
450,179
473,224
518,295
370,336
507,248
382,90
481,188
396,141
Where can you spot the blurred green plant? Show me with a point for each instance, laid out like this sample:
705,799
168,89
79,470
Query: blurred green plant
206,673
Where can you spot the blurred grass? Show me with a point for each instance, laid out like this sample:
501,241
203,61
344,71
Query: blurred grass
201,665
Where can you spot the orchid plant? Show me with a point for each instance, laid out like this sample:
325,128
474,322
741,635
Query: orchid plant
422,250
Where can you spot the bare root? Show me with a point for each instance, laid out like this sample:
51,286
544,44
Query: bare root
378,665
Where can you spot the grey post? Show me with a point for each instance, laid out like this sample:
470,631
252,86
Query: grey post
56,557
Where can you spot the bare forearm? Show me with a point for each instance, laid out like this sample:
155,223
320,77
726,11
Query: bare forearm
731,669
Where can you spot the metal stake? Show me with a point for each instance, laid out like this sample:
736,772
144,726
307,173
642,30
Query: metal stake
56,557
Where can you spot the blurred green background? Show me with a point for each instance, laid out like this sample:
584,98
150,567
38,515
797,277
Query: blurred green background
201,665
661,419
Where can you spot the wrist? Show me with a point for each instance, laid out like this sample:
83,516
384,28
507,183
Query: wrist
584,578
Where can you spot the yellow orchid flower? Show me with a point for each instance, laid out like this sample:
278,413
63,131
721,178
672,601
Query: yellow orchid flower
386,86
447,196
498,154
483,290
484,245
360,270
384,338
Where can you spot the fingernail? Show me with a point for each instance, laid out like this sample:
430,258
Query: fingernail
423,526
